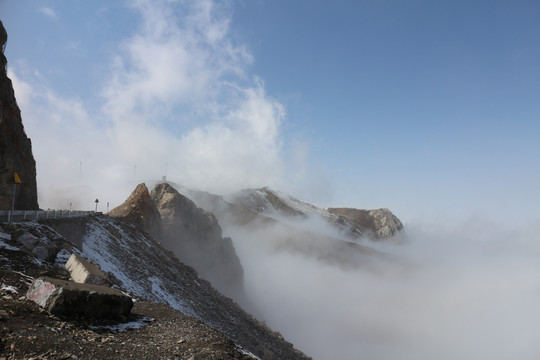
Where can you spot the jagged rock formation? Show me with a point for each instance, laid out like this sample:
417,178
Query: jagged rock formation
195,236
141,211
381,223
15,146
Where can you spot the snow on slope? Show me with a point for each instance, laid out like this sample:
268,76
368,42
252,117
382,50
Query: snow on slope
153,273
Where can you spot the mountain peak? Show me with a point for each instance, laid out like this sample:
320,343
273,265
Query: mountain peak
140,210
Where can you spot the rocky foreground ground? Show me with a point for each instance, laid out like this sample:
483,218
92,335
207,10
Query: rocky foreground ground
152,331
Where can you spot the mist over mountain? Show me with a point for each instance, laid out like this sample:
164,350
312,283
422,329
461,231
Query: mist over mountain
225,237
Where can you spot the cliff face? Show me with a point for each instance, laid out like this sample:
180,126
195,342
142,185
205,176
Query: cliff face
15,146
195,236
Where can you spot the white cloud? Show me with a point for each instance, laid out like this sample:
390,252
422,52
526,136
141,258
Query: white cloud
23,90
179,92
47,11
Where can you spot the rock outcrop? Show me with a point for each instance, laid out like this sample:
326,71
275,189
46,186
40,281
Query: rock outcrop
15,146
141,211
381,223
195,236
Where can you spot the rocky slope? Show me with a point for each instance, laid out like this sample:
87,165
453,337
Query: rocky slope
15,146
192,234
140,266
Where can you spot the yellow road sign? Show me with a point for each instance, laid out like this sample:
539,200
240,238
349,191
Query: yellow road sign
17,178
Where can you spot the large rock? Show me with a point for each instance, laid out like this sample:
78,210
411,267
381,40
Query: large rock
85,272
15,146
195,236
141,211
70,299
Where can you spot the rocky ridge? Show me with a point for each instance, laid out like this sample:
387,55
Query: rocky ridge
291,225
375,224
15,146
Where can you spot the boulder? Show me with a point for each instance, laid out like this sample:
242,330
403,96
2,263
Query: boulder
15,146
39,248
69,299
85,272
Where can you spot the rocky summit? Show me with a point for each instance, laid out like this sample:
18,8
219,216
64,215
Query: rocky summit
15,147
141,211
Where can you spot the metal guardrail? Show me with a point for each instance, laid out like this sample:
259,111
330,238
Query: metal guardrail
29,215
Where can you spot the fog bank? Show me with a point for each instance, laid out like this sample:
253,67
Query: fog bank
467,293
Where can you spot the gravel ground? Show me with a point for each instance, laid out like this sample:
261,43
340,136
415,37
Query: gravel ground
29,332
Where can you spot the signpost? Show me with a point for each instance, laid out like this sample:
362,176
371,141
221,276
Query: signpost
16,180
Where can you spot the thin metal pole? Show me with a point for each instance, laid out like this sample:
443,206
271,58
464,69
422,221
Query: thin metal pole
12,203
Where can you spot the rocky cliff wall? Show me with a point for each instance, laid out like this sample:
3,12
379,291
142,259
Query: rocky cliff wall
195,236
15,146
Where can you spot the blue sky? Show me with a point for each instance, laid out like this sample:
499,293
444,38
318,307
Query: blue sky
428,108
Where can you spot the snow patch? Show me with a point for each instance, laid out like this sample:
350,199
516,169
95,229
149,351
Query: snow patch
132,325
9,288
245,352
157,289
3,245
62,257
